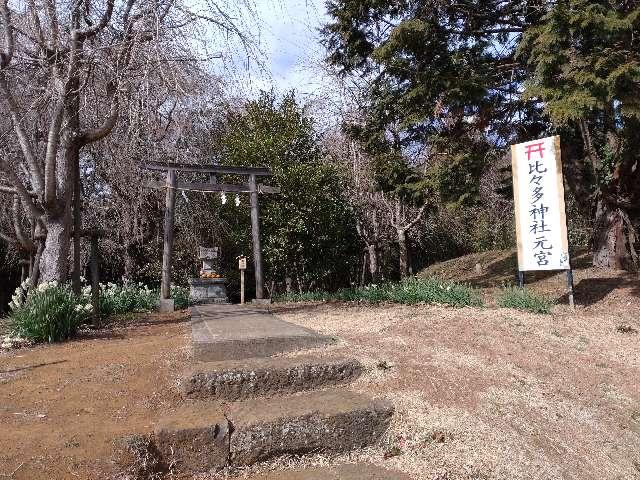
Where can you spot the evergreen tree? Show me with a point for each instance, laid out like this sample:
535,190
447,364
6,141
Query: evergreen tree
585,67
308,230
440,85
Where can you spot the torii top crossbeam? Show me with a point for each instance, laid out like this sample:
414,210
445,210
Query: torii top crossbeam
186,167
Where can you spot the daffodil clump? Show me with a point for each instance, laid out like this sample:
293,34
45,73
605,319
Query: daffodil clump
51,312
48,313
414,291
408,292
126,298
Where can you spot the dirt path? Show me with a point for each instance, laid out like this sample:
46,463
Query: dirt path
62,405
498,394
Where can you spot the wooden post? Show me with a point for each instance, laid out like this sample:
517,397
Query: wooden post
241,287
255,234
242,265
95,280
25,269
77,222
165,287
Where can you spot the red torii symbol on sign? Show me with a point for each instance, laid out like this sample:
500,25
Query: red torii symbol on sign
534,148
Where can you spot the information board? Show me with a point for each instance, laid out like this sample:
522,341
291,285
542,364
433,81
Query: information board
538,189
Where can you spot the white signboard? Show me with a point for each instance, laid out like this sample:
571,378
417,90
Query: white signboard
208,253
541,224
242,263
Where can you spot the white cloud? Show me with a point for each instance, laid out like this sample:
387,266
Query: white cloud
289,40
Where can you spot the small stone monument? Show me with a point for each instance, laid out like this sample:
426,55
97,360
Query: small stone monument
211,286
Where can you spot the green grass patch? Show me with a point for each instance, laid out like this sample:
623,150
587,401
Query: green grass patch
294,297
523,299
408,292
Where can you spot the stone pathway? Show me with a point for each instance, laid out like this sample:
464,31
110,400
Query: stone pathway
232,332
242,408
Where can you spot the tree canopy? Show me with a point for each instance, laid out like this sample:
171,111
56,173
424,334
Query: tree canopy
439,75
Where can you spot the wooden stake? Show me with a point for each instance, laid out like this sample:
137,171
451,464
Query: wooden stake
95,280
165,287
255,234
241,287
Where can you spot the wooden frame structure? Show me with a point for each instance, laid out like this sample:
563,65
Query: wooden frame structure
252,187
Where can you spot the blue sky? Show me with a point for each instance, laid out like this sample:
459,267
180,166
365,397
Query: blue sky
289,42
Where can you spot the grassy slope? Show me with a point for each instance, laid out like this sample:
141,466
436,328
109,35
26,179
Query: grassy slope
491,270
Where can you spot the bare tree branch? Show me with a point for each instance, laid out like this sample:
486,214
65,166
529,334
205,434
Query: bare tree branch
23,139
104,21
51,155
7,238
418,217
35,18
24,240
98,133
21,190
53,21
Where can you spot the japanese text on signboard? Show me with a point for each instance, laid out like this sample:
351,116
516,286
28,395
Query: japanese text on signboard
539,198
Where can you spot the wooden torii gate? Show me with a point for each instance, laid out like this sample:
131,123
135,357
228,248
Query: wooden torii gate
252,187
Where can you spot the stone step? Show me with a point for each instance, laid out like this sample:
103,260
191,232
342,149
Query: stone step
311,422
243,379
233,332
194,438
357,471
204,435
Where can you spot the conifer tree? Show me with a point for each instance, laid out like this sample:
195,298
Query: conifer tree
585,67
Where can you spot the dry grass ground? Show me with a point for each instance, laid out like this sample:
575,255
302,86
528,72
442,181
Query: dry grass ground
499,394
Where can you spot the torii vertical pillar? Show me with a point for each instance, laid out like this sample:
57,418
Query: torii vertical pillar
255,234
165,287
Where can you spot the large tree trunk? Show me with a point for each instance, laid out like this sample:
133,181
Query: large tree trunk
58,220
373,262
610,242
404,252
54,263
129,261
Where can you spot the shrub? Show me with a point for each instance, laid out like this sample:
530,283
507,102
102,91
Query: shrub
523,299
49,313
127,298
